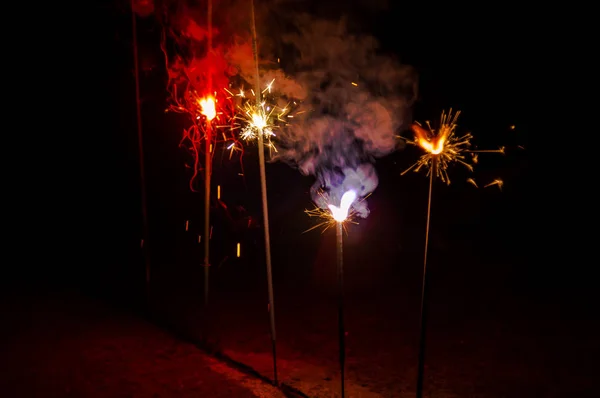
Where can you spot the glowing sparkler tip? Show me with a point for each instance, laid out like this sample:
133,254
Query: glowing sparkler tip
340,213
208,108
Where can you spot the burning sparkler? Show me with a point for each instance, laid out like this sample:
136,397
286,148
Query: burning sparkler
338,216
262,124
258,116
442,147
194,87
213,122
334,215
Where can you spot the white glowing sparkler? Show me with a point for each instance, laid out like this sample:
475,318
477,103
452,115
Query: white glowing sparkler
340,213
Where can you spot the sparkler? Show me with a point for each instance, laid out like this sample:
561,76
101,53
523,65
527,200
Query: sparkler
327,217
260,117
207,108
338,216
263,186
442,148
209,112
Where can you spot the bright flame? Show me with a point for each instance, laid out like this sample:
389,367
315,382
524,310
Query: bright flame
208,107
259,121
445,146
238,250
339,214
433,145
343,214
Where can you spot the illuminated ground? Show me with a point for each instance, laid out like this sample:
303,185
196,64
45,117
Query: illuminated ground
71,346
489,335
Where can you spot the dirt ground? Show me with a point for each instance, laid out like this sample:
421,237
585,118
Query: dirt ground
487,336
71,346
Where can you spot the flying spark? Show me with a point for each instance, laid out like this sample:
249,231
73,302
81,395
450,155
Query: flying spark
497,182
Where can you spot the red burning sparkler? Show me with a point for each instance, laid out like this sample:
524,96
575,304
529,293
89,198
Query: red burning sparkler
212,114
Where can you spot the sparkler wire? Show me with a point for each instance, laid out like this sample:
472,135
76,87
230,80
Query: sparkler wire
145,228
424,296
265,207
207,172
341,328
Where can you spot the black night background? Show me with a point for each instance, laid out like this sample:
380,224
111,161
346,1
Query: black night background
501,323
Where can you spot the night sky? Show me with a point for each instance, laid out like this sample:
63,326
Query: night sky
77,184
467,59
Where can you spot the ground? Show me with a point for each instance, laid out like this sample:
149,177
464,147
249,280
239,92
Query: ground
492,332
499,327
68,345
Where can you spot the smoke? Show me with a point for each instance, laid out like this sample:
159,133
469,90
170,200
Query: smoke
352,103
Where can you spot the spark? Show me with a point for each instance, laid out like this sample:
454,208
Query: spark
497,182
238,250
343,214
262,118
207,113
472,181
258,121
445,146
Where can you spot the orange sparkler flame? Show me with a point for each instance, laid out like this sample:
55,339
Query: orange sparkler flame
433,145
444,146
208,107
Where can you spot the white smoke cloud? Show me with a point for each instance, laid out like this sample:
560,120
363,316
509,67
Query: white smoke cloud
354,103
352,99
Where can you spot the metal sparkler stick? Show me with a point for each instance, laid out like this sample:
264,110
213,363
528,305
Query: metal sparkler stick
265,207
341,328
442,148
339,215
424,296
207,173
145,229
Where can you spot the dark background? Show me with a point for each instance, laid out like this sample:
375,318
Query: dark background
468,59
